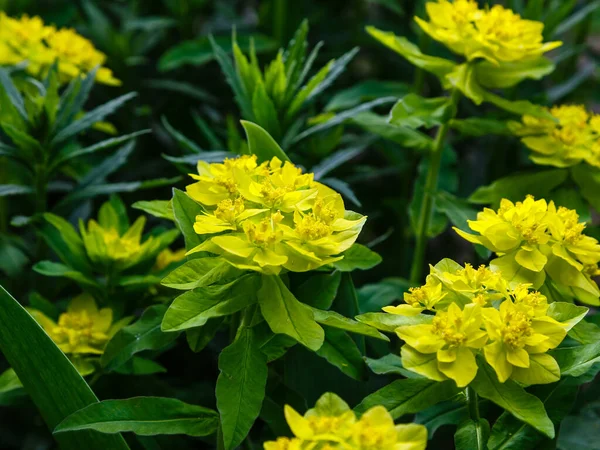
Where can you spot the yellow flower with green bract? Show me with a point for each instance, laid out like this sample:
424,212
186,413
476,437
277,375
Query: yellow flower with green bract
495,33
446,347
333,425
572,138
167,257
270,216
533,239
29,40
82,331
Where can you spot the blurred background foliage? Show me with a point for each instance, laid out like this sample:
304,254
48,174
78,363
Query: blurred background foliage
162,51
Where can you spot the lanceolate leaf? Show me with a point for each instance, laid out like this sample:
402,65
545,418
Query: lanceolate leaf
340,350
47,375
185,211
240,387
262,144
145,416
335,320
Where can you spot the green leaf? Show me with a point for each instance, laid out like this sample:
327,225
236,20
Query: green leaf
185,143
585,332
409,396
357,257
338,158
319,290
414,111
379,126
10,387
451,412
145,334
517,187
200,272
457,210
264,111
335,320
52,269
588,179
196,307
341,351
15,189
56,388
465,80
476,126
577,17
240,387
158,208
13,94
507,75
286,315
389,322
567,313
373,297
519,107
438,66
262,144
185,211
140,366
145,416
365,91
390,364
472,435
199,338
513,398
576,361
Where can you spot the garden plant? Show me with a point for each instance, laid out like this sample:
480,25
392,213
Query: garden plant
358,225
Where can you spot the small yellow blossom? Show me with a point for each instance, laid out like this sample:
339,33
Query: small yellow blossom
495,33
332,425
419,299
270,216
82,330
28,40
573,138
519,343
446,347
168,257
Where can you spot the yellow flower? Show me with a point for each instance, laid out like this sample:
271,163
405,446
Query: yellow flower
520,342
495,34
572,139
419,299
543,240
28,39
82,330
168,257
332,425
270,216
445,348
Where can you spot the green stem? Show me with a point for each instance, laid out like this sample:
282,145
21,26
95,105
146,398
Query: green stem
473,404
429,193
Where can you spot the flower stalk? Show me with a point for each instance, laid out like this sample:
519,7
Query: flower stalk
430,191
473,406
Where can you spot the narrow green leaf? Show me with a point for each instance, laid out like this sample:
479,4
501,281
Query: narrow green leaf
145,416
158,208
201,272
390,365
261,143
52,269
335,320
389,322
379,126
341,351
47,375
15,189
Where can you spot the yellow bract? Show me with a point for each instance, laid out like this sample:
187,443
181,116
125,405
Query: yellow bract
168,257
82,330
28,40
542,239
269,216
333,425
572,139
495,34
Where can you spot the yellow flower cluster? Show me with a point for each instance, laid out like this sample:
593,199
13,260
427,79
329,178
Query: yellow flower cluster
542,239
573,138
82,331
269,216
168,257
495,34
333,425
29,40
510,326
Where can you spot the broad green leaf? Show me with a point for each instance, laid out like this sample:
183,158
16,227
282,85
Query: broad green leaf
185,211
162,209
145,416
567,313
513,398
341,351
409,396
517,187
262,144
519,107
52,269
414,111
319,290
198,338
194,308
576,361
240,387
140,366
56,388
335,320
585,332
451,412
588,179
379,126
390,364
200,272
373,297
274,346
145,334
477,126
357,257
286,315
389,322
365,91
438,66
507,75
471,435
576,433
